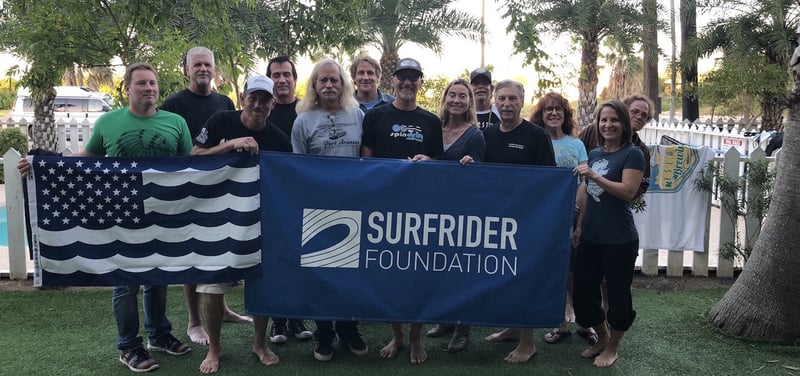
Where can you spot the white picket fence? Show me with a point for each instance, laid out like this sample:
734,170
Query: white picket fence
672,262
72,133
720,136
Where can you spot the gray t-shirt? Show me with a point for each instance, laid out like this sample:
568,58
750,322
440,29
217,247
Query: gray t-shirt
323,133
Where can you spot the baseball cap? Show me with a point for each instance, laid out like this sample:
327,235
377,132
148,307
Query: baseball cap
480,72
259,82
407,63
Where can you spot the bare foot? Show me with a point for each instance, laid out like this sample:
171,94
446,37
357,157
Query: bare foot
507,334
390,351
605,359
569,313
521,354
266,356
595,349
418,354
210,364
231,316
198,335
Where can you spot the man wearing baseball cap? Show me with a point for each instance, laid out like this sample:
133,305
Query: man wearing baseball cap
403,130
481,81
249,131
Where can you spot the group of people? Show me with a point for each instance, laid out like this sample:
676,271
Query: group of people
347,115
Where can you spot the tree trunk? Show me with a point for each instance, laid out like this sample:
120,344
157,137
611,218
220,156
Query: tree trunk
763,302
650,48
587,83
388,60
771,112
690,108
44,125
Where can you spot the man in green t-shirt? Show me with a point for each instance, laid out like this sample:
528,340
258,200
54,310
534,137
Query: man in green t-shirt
137,131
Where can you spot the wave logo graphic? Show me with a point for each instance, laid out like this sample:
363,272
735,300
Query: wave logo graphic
342,254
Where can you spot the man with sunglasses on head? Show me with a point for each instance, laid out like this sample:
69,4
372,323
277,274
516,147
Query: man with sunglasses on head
641,110
403,130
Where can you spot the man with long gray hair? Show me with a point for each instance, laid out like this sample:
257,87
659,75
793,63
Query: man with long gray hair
329,123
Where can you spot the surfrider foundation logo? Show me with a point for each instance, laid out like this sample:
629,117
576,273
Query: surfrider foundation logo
342,254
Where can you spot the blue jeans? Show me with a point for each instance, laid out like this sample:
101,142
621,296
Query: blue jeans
126,313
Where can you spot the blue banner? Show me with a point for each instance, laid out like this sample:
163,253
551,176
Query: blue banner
392,240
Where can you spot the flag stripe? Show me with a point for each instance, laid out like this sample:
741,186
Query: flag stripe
167,249
201,205
143,264
145,235
177,178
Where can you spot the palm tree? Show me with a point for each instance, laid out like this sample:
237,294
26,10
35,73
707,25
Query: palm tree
588,21
763,30
627,71
393,23
762,303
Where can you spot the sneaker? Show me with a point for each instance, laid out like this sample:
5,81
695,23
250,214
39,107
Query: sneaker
299,329
357,346
170,345
138,360
277,334
324,351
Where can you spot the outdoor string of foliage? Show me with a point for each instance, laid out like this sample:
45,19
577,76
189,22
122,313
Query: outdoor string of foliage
12,138
747,195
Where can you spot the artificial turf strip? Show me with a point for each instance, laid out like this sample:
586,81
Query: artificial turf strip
72,332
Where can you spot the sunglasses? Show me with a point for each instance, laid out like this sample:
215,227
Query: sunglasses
402,76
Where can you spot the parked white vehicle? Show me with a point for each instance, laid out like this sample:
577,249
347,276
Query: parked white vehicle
72,102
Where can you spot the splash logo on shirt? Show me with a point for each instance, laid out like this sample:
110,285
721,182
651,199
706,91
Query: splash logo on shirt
409,132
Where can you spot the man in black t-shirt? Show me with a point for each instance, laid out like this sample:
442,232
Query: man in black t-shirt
516,141
283,73
196,104
481,82
248,131
403,130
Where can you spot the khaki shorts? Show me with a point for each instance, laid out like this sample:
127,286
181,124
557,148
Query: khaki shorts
216,288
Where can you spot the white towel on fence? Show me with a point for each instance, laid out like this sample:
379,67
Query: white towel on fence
675,217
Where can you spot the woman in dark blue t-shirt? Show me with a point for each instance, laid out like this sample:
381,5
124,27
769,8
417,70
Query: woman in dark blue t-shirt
606,238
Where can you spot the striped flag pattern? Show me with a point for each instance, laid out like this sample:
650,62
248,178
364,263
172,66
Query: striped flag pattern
156,221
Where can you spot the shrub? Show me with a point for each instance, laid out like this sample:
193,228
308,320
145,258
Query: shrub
12,138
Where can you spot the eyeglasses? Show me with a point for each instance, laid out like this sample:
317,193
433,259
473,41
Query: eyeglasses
407,76
557,110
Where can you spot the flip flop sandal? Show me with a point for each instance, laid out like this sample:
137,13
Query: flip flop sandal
555,336
589,335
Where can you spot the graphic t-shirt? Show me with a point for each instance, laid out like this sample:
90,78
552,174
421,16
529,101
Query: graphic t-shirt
569,152
120,133
227,125
487,118
321,132
609,219
394,133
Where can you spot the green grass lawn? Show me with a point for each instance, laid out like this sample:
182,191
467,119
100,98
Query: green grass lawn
72,332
